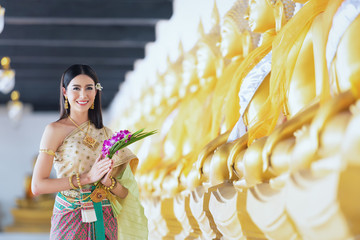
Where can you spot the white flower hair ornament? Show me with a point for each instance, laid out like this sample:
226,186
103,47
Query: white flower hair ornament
98,87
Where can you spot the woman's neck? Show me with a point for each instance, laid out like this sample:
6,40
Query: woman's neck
79,118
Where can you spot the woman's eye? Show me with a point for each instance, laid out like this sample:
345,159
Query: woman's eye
90,88
76,88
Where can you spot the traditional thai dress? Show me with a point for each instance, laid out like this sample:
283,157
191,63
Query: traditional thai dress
75,215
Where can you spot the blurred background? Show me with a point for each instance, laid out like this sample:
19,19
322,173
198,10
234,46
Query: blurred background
38,41
256,107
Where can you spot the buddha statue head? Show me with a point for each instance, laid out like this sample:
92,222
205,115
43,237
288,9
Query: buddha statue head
269,14
208,52
159,93
172,77
236,37
190,80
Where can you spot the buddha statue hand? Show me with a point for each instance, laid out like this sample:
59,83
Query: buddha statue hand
285,131
208,150
256,169
309,141
235,158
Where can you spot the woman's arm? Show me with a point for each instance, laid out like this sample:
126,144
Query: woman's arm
119,190
41,182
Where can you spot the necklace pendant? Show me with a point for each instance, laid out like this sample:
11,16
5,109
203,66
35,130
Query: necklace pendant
90,142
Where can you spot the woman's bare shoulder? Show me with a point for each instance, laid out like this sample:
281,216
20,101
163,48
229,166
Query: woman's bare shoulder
57,131
56,127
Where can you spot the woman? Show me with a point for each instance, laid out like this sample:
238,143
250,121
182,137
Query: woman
97,197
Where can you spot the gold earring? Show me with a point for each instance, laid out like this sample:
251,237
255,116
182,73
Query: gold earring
66,104
92,105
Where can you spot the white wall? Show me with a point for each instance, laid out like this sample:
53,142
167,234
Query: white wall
18,147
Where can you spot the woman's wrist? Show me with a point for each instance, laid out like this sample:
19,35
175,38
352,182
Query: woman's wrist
108,182
85,179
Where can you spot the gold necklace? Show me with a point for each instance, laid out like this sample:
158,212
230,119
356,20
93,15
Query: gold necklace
88,140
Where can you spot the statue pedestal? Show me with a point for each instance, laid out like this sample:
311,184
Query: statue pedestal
162,221
183,214
266,208
199,205
228,207
326,206
32,215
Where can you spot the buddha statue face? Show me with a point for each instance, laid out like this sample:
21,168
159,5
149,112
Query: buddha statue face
230,45
207,50
206,62
269,14
261,15
233,40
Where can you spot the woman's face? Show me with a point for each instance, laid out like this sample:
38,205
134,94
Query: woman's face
81,93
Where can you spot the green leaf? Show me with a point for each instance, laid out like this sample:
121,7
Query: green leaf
138,135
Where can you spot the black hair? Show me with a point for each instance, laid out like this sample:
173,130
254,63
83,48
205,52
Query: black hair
95,115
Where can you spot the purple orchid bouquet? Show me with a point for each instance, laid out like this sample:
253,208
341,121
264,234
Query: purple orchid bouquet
122,139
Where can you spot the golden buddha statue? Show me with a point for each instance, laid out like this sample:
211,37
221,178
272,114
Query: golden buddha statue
173,80
171,133
246,162
251,84
329,145
265,17
296,63
196,105
342,51
236,42
315,145
190,85
293,84
319,75
170,99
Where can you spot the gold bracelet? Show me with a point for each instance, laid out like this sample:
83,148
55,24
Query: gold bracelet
113,184
47,151
70,182
78,180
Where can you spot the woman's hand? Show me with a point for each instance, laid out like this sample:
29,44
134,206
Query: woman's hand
106,180
101,167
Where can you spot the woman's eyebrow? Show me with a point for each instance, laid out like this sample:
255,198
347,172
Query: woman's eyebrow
77,85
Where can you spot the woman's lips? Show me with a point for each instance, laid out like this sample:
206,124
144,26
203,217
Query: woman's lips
82,102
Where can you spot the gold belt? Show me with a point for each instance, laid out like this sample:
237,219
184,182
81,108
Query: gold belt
71,193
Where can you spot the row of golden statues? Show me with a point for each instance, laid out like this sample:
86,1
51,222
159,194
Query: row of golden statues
258,124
